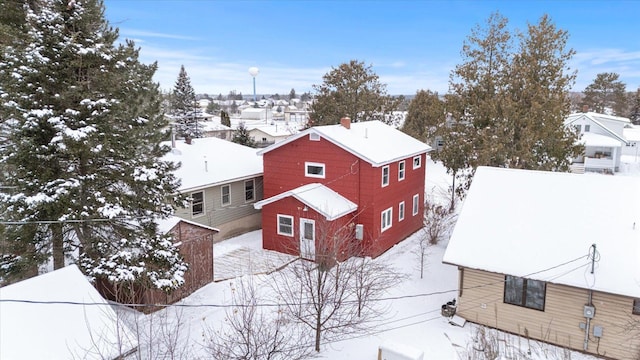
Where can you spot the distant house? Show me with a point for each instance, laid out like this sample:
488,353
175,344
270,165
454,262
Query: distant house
603,138
360,184
66,329
553,257
252,113
214,128
223,180
276,131
631,133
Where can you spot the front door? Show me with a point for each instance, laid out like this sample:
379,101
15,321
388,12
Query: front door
308,239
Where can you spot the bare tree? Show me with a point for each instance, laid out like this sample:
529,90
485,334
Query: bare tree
438,222
333,297
252,332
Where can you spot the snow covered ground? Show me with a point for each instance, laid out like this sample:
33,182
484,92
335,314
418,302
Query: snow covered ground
413,319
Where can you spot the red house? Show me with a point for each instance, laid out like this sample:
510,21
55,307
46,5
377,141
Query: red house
342,190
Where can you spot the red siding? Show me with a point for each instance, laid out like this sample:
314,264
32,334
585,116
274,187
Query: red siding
351,177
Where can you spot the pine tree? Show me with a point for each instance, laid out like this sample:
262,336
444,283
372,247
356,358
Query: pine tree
184,106
83,124
515,102
426,114
241,136
292,94
606,95
634,113
224,118
354,90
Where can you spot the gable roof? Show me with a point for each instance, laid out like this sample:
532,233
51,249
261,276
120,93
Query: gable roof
211,161
33,331
597,119
320,198
523,222
593,139
373,141
167,224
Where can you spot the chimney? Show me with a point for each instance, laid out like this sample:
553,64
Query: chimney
187,139
346,122
585,108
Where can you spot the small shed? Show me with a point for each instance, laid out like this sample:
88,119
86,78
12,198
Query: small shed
196,247
60,315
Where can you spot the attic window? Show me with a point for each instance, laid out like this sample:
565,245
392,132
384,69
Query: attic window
314,137
587,128
315,170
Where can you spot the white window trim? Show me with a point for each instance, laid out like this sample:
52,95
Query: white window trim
416,204
203,205
419,158
401,170
278,217
222,195
306,170
389,217
245,191
386,167
401,209
314,136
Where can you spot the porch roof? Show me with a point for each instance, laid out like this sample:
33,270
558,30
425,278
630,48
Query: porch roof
320,198
592,139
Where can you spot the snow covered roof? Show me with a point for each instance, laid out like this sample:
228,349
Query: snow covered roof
212,161
533,223
598,119
320,198
593,139
632,133
60,331
373,141
275,130
165,225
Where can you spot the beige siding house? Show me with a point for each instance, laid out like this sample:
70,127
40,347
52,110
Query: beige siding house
223,180
553,257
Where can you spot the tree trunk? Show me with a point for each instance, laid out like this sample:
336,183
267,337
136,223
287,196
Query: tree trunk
57,242
453,194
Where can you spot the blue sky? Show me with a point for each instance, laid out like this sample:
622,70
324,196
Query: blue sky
411,45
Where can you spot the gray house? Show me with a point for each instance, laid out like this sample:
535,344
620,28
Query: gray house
223,179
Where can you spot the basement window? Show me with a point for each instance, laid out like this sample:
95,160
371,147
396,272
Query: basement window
524,292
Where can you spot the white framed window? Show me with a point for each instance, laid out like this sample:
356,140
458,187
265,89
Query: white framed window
225,194
386,219
416,204
285,225
315,170
314,136
401,211
385,176
401,170
197,203
249,190
417,161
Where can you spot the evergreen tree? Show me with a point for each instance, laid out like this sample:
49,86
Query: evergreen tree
224,118
212,107
184,106
354,90
292,94
606,95
514,102
82,118
426,114
241,136
634,113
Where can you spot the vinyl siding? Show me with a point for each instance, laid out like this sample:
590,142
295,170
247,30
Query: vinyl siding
481,301
240,214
